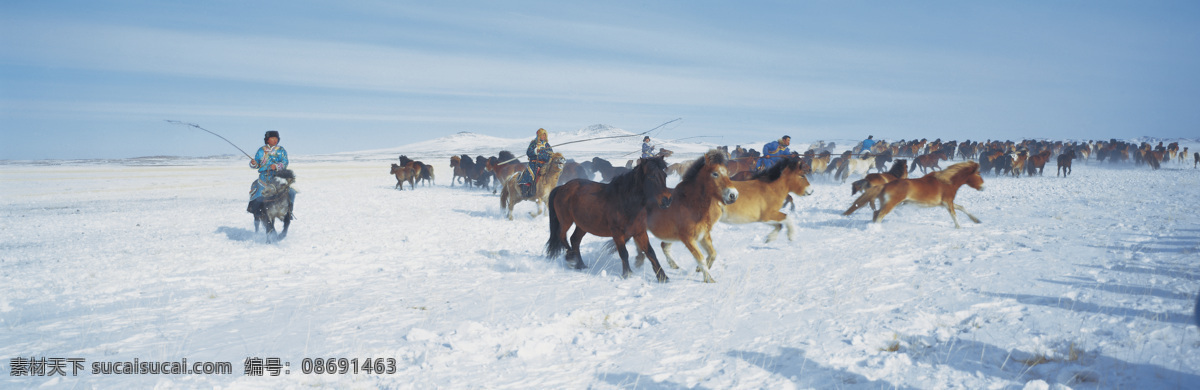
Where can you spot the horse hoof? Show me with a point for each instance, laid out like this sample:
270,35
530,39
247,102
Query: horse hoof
662,278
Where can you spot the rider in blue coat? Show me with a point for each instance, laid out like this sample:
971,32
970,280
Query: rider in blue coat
774,152
647,148
868,143
269,159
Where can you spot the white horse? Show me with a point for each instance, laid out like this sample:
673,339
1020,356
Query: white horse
859,166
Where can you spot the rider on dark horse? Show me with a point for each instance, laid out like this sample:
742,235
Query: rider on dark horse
270,159
539,154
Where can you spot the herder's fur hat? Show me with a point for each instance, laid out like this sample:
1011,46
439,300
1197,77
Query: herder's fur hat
269,134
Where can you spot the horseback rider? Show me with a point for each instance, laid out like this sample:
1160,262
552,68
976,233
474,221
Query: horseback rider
647,148
539,154
867,144
773,152
269,159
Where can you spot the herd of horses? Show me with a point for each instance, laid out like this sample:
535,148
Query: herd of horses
634,201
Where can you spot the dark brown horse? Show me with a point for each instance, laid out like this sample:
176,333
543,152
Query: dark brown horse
1064,163
934,189
424,171
617,209
697,203
928,161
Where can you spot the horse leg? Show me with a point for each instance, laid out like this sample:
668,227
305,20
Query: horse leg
887,203
573,257
702,264
624,253
950,206
666,247
644,249
972,217
287,221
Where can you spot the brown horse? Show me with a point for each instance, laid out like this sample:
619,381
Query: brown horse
404,174
899,171
760,199
1037,162
502,169
697,203
929,161
510,194
738,165
1064,163
934,189
617,209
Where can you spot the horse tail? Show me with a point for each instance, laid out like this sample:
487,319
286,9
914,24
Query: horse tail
556,245
504,194
913,168
868,195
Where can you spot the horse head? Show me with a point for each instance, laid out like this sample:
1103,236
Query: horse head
797,181
652,173
712,167
966,173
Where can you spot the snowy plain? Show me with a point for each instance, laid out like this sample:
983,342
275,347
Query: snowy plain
1080,282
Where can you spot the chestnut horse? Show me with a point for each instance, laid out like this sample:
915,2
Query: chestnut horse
934,189
929,161
404,174
503,170
1037,162
760,198
617,209
510,194
697,203
899,171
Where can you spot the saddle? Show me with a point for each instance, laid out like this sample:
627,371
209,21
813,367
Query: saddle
526,182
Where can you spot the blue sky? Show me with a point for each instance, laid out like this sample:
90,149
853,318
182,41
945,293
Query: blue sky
97,79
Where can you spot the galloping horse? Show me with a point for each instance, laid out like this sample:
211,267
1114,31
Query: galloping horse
696,205
857,166
1064,163
899,171
277,203
404,174
929,161
510,194
760,198
1037,162
934,189
617,209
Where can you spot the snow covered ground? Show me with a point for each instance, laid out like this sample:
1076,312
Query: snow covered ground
1083,282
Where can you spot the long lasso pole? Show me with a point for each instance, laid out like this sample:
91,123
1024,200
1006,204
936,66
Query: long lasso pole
175,122
614,136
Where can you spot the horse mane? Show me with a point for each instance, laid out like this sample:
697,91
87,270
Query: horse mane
713,156
770,175
628,183
947,175
505,156
404,160
899,168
